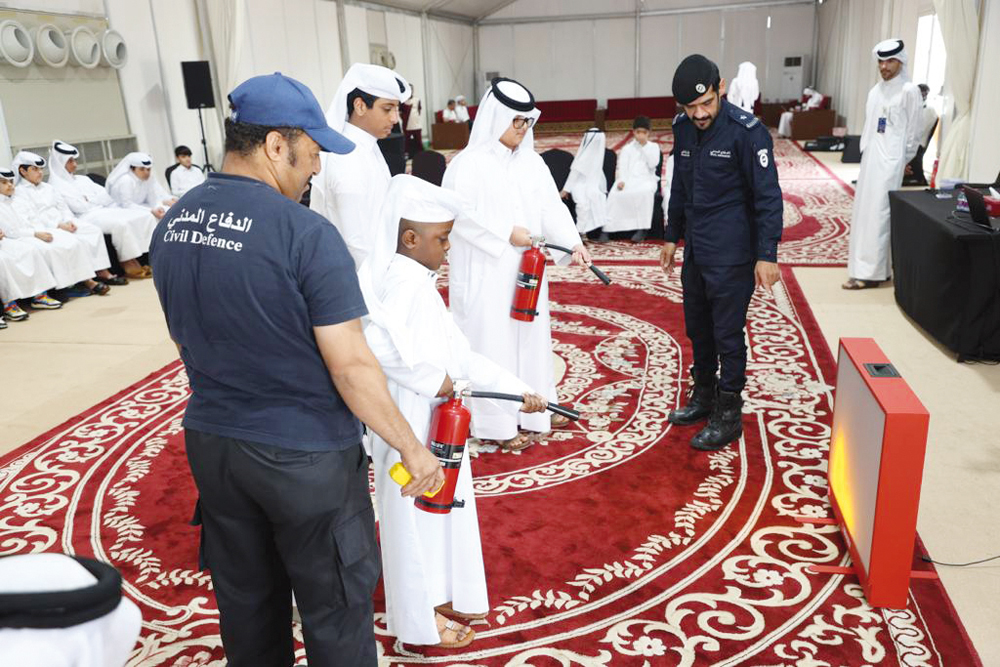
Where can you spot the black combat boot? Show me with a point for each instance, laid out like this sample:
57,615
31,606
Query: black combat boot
700,400
724,426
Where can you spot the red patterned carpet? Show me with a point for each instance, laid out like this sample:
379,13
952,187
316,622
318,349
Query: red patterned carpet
611,543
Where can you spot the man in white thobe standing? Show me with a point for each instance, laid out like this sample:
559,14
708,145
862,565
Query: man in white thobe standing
630,202
39,202
745,88
928,122
512,198
130,228
350,189
429,560
131,184
587,183
888,142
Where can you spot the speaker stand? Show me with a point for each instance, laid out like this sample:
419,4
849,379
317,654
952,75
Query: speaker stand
204,144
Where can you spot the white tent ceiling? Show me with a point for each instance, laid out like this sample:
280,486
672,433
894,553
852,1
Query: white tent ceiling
513,10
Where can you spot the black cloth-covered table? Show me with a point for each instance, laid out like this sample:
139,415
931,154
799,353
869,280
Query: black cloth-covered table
946,272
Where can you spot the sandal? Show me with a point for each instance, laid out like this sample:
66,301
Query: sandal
447,611
100,289
516,444
463,634
855,284
558,421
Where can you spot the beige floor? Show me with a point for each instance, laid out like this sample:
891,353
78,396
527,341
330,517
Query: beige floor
59,363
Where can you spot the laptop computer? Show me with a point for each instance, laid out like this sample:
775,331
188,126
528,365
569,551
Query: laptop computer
977,208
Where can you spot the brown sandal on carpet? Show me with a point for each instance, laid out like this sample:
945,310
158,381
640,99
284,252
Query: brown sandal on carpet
855,284
516,444
558,421
463,634
447,610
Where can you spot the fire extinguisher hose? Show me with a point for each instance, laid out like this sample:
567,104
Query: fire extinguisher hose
597,272
554,407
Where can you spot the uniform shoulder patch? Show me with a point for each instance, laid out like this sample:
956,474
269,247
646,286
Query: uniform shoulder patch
747,120
680,118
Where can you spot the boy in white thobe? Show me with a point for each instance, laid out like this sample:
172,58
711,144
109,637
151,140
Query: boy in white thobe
65,255
461,109
131,229
184,175
513,198
745,88
38,201
587,183
630,202
429,560
23,275
889,141
349,189
132,184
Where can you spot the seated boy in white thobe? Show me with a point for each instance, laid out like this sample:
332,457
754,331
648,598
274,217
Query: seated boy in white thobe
432,563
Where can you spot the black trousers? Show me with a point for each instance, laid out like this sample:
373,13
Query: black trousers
716,299
917,165
414,142
276,520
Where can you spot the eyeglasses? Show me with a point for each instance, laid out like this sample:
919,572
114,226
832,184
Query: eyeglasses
522,122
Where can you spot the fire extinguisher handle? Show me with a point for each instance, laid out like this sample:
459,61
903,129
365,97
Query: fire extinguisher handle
570,413
600,274
597,272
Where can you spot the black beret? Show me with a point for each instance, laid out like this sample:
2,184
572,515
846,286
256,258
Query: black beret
694,77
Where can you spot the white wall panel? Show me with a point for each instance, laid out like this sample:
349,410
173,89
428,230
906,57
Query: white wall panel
614,47
746,40
495,49
659,55
142,87
450,49
405,42
357,34
328,41
530,8
91,7
984,161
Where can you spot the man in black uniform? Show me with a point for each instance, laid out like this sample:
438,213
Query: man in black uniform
725,202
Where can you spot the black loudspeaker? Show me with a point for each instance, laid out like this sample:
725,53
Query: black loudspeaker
198,84
852,149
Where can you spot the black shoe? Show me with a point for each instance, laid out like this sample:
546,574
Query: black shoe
639,236
115,281
701,398
724,425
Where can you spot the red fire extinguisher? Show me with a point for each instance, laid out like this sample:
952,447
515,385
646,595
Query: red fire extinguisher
448,433
529,282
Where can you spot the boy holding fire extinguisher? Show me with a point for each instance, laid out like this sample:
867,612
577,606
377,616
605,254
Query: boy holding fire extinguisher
433,570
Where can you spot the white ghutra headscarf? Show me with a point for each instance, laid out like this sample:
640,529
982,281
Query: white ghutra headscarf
504,100
59,154
590,156
372,79
25,159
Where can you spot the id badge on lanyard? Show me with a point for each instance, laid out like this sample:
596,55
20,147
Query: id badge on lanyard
882,121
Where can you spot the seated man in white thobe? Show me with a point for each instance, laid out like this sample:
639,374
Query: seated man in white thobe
183,175
461,110
349,189
66,256
450,113
39,202
132,184
23,275
512,198
587,183
813,100
433,570
630,202
130,228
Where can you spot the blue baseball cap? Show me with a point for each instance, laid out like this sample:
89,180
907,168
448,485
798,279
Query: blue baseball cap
275,100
